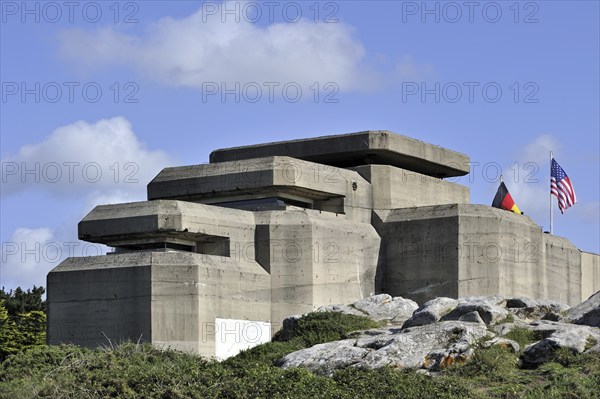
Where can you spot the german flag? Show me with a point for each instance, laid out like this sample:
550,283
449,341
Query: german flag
503,200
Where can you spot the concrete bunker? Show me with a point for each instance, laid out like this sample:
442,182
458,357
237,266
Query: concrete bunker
221,253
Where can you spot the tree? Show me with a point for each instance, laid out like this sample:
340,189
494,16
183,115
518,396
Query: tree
22,320
10,338
19,301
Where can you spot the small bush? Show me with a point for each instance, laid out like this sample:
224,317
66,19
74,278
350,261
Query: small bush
523,336
319,327
494,363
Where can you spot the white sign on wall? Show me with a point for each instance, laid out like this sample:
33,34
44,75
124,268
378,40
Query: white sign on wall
233,336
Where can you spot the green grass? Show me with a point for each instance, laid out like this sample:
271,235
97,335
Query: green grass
523,336
143,371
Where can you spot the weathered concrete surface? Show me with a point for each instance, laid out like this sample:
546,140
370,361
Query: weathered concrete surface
315,259
369,147
318,186
137,223
286,228
167,298
400,188
457,250
590,274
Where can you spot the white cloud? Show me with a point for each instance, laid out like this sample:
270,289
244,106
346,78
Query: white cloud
539,149
25,258
30,254
408,69
192,50
83,158
529,178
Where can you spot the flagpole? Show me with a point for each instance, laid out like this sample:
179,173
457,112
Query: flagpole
551,227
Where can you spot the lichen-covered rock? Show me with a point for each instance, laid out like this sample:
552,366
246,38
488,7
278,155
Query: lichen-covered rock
472,317
587,312
536,309
444,331
431,346
378,307
504,328
431,311
345,309
489,312
503,343
559,335
325,358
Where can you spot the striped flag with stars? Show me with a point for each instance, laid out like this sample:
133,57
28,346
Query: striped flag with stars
561,187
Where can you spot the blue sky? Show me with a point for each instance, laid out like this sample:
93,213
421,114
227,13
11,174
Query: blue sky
97,97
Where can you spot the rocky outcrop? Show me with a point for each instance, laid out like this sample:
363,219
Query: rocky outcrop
444,331
587,312
537,309
380,307
430,347
431,312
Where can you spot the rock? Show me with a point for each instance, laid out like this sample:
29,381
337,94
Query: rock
521,302
554,306
345,309
594,348
384,307
431,346
587,312
505,328
559,335
503,343
379,308
553,316
472,317
497,300
536,309
289,324
325,358
489,312
431,312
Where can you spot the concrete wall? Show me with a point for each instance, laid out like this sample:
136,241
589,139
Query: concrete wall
189,291
320,185
394,187
314,259
169,298
386,223
463,250
590,274
418,250
91,297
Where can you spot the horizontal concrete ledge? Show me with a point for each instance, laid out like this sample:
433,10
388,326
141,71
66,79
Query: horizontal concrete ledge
120,224
452,210
354,149
257,178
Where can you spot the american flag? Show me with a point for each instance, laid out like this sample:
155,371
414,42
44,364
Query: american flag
561,187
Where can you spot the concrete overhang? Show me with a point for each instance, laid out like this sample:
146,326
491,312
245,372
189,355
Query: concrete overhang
452,211
155,221
254,178
354,149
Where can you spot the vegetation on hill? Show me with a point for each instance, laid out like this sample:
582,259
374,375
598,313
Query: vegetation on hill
22,320
143,371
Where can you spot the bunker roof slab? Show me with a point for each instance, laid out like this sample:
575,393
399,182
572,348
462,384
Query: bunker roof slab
353,149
